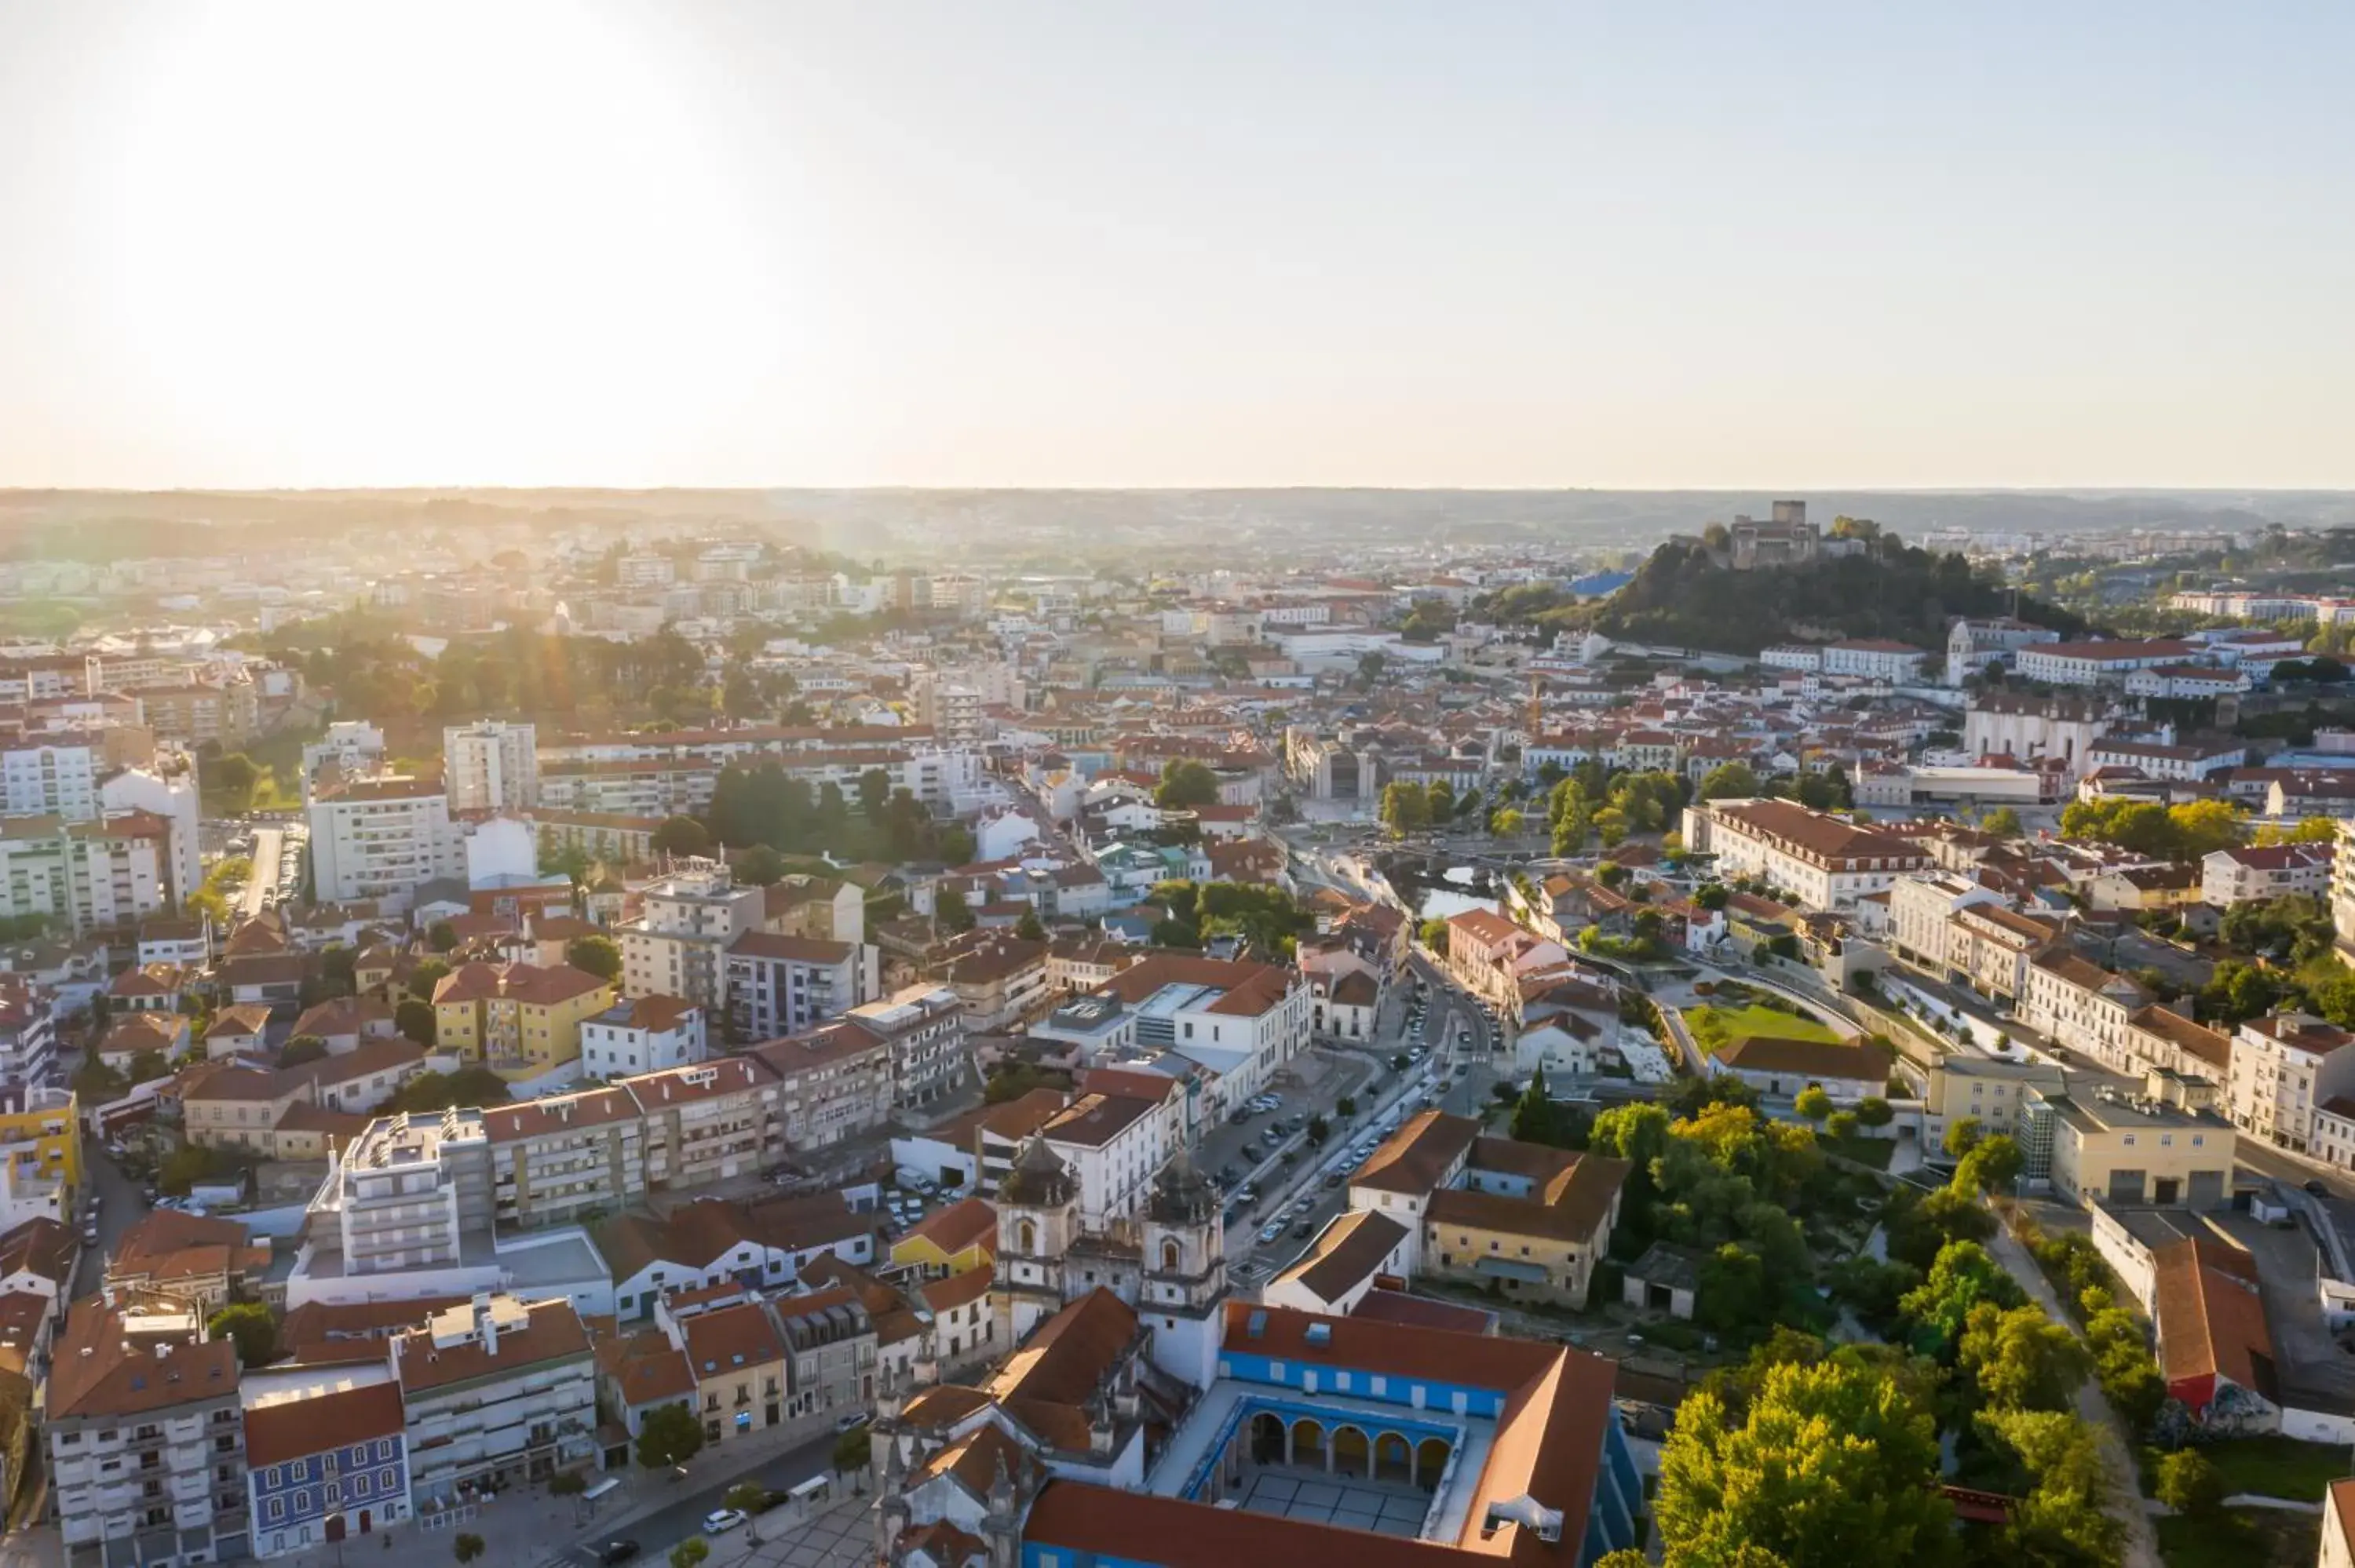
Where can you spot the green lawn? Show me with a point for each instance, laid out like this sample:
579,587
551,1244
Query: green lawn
1713,1026
1873,1151
2278,1466
2240,1538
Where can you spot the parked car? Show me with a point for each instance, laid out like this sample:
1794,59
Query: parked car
1306,1227
851,1422
617,1551
720,1520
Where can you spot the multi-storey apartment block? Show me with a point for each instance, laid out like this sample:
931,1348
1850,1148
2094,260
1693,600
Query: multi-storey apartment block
780,985
378,836
491,766
146,1445
1822,862
678,945
497,1391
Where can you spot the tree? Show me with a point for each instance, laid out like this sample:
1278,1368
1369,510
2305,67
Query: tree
683,836
1832,1463
301,1049
1991,1167
2188,1483
1872,1111
441,937
2062,1519
854,1450
1728,781
1433,933
1963,1135
567,1484
2021,1360
466,1547
1711,897
595,954
746,1497
950,914
235,777
1962,1276
1318,1130
1813,1103
668,1435
1029,927
425,977
1840,1124
1185,784
251,1324
759,866
2003,822
414,1019
1732,1294
1536,1120
690,1553
1505,821
1347,1106
1405,808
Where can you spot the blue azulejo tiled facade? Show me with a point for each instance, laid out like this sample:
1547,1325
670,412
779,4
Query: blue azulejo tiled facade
353,1487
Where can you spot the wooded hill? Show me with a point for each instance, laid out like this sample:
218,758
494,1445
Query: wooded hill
1683,598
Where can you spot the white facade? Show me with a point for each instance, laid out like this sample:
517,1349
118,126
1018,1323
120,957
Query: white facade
55,777
2092,663
627,1038
2230,876
1876,661
378,838
172,796
490,766
1919,909
2285,1066
1823,863
88,876
678,945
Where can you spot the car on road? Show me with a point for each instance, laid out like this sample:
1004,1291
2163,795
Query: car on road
720,1520
1270,1235
1305,1228
851,1422
617,1551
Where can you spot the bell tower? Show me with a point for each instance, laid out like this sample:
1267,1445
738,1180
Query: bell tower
1185,1294
1037,1220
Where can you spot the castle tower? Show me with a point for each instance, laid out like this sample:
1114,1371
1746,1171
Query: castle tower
1037,1220
1184,1299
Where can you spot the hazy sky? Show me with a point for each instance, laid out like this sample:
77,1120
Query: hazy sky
682,243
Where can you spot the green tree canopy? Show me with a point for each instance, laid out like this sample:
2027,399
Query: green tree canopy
599,955
668,1435
1832,1463
2019,1359
1185,784
253,1326
684,836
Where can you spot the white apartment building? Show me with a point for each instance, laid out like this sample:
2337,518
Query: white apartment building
2082,1006
498,1392
2098,662
1113,1145
378,836
1243,1022
86,876
1919,909
2238,876
491,766
165,790
924,1026
780,984
1822,862
1875,659
1972,645
643,1034
2286,1066
146,1446
2182,763
678,944
53,775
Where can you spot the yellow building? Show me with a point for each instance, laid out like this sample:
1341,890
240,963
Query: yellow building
521,1020
1530,1222
41,1141
2163,1146
737,1356
954,1240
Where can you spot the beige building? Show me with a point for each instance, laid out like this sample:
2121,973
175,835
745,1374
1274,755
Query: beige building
1823,863
2162,1146
705,1123
831,1083
2284,1067
1964,1084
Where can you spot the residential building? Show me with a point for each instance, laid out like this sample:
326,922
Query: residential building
565,1158
737,1352
522,1020
678,944
326,1462
641,1035
924,1025
2244,872
40,1154
146,1445
378,835
1819,860
2286,1066
1531,1221
51,776
192,715
831,1342
1875,659
1113,1145
780,985
1000,979
2180,764
496,1393
491,766
2099,662
831,1083
28,1031
1965,1085
85,877
707,1123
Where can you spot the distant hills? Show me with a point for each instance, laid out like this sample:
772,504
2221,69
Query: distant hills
1682,596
